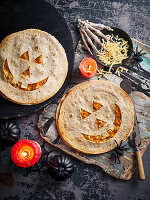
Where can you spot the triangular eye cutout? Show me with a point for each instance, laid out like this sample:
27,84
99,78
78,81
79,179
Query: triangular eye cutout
84,113
25,55
96,106
100,123
26,73
39,60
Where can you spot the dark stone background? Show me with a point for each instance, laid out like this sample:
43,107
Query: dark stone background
88,182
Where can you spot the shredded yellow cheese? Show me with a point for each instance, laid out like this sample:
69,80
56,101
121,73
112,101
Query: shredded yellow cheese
121,69
103,73
118,50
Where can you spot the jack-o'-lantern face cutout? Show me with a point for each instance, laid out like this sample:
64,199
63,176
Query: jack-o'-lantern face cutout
93,114
23,81
107,130
33,66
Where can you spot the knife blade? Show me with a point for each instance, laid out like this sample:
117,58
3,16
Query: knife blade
134,137
47,125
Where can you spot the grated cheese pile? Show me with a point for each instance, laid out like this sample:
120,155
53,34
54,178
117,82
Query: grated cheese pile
118,50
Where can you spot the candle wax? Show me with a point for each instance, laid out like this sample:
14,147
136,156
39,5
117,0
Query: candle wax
26,153
88,67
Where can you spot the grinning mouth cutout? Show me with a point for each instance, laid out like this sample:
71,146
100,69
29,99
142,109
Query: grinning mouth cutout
26,74
100,123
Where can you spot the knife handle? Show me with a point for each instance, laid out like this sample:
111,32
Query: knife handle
140,166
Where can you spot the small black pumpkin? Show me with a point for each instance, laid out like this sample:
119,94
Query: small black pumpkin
9,132
60,167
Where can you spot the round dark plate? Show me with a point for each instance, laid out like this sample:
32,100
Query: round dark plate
23,14
121,34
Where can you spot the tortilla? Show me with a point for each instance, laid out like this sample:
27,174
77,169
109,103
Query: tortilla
33,66
93,114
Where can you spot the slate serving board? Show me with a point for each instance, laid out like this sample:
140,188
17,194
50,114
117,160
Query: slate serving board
140,93
23,14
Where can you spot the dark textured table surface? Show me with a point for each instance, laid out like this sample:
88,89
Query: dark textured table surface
88,182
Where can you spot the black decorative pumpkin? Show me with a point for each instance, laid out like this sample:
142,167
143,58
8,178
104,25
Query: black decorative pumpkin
60,167
9,132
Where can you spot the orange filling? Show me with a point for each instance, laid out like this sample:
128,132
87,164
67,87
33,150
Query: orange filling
84,113
25,56
7,73
34,86
26,73
100,123
96,105
39,60
97,138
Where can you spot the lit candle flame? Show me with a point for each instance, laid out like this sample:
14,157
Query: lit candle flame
89,67
26,153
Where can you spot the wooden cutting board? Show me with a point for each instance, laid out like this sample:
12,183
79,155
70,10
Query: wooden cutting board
140,94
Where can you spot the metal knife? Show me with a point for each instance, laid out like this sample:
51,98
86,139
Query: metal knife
134,138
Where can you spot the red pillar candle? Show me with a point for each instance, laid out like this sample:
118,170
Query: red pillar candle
26,153
88,67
